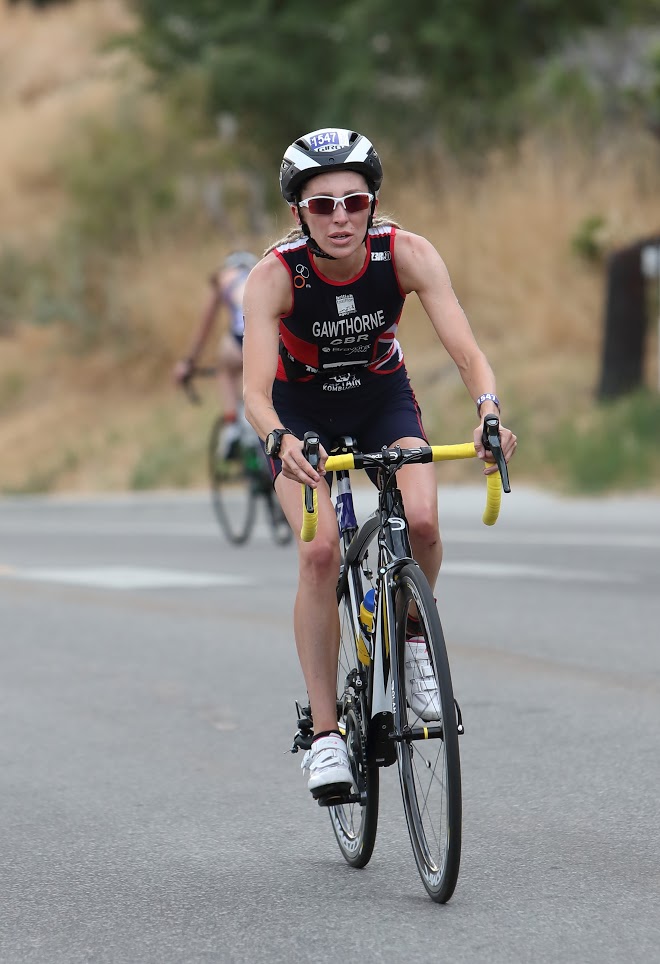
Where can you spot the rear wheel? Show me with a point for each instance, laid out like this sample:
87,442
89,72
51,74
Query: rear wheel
428,754
355,823
233,490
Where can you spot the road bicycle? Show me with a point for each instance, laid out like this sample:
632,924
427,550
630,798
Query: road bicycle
239,477
380,600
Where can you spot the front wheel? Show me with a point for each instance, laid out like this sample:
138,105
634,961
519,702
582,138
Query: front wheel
428,754
355,823
279,524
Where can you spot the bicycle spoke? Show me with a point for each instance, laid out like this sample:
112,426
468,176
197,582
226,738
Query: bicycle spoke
424,809
354,823
232,487
429,769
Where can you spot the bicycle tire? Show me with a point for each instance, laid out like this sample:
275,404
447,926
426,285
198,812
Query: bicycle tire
279,524
429,769
233,493
355,824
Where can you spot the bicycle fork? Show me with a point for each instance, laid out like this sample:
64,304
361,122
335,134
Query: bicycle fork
386,672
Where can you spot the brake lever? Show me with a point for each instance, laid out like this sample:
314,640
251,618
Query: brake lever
492,443
311,444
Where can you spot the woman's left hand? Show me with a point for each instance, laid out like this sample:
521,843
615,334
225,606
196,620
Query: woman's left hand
509,442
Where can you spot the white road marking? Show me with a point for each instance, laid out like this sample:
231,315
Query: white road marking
483,536
505,570
136,577
580,539
127,577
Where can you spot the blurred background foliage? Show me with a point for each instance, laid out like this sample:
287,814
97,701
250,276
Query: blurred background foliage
420,72
520,136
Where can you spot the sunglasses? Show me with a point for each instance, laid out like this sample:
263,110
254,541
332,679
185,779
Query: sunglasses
322,204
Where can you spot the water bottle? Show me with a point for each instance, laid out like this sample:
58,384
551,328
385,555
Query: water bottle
367,627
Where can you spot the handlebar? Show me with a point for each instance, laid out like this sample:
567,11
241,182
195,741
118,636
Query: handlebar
188,386
495,482
310,497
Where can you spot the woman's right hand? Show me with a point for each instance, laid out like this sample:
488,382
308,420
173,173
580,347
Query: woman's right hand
183,370
294,464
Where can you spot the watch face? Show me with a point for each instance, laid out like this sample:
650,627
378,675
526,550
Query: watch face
274,441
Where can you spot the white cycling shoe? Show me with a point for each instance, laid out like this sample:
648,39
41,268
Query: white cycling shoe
421,688
229,440
328,767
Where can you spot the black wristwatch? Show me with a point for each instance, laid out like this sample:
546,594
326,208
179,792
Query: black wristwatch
274,441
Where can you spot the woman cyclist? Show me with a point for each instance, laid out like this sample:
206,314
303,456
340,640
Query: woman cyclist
226,297
321,353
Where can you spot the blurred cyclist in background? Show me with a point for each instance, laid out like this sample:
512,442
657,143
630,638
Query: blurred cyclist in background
227,285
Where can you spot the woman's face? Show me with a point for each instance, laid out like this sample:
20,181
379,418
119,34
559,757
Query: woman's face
340,233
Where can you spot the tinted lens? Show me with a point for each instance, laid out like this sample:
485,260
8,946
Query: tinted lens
326,205
321,205
357,202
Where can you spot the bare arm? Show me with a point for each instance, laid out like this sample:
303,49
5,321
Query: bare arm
183,368
267,297
207,321
421,269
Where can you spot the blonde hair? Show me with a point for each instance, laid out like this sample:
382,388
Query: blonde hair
296,233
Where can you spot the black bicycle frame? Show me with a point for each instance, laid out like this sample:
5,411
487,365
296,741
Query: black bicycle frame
394,552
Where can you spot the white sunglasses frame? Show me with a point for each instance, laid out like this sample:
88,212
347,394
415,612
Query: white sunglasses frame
338,200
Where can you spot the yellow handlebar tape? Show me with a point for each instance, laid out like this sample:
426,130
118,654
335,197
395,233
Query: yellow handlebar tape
334,463
310,519
447,453
493,498
338,463
441,453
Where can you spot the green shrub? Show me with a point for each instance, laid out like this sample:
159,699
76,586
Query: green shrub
44,478
169,458
76,286
12,386
588,240
614,447
14,282
121,179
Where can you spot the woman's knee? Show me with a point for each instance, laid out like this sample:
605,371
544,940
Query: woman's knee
424,528
319,559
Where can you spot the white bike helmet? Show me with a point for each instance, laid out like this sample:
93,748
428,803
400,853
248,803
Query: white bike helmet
328,149
240,259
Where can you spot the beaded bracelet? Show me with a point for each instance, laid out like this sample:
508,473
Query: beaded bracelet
487,397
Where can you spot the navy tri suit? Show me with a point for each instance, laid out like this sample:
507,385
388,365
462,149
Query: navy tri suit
341,369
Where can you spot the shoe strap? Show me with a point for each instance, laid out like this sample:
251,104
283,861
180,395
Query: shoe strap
416,643
423,685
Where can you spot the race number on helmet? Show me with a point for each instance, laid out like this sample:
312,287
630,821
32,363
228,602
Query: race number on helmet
328,149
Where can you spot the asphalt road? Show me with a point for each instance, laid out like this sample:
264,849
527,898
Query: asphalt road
151,812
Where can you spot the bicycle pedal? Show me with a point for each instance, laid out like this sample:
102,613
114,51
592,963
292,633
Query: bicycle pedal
305,732
302,741
335,795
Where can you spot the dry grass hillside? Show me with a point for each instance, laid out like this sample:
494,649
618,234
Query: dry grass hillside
110,419
52,73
